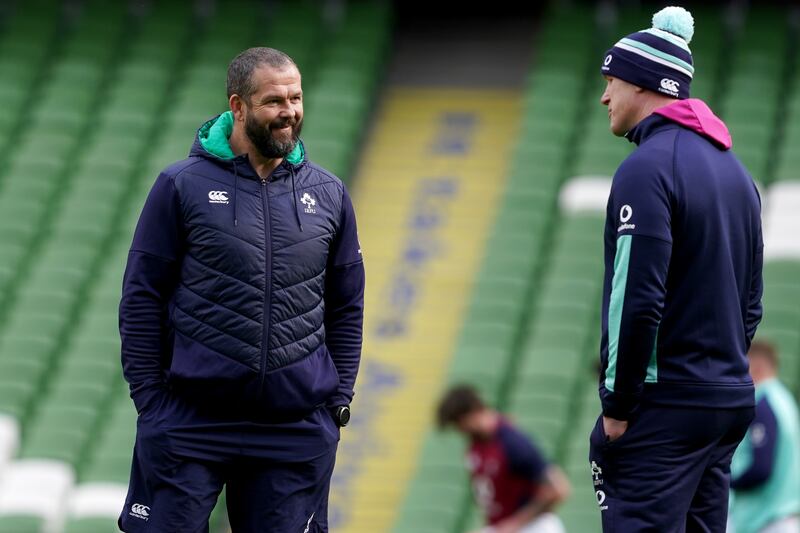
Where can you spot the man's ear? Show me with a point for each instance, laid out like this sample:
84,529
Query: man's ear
638,89
237,105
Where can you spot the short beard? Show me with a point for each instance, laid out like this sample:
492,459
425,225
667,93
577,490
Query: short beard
263,140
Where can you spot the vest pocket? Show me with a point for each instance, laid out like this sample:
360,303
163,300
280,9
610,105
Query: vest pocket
301,387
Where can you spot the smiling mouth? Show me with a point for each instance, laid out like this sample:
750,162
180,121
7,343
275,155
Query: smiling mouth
283,129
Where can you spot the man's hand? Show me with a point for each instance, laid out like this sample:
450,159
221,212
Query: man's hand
614,428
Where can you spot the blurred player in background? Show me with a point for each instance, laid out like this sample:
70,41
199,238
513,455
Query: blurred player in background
682,295
512,482
241,320
765,472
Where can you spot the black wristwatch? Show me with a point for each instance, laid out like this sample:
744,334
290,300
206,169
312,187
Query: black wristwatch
341,415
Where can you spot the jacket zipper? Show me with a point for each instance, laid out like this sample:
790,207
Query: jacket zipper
267,286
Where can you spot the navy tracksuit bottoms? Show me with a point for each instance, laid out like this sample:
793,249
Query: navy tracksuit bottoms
170,493
669,472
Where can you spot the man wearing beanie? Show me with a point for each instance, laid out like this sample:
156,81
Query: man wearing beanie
681,299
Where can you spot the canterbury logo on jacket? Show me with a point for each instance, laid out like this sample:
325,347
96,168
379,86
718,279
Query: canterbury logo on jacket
683,258
241,292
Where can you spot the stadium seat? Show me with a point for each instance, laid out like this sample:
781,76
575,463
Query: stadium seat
9,439
38,488
586,193
95,507
782,220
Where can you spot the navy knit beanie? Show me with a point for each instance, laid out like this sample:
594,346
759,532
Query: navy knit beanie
658,58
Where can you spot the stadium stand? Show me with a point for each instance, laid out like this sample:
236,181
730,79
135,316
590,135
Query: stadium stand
708,53
27,43
99,97
788,130
554,393
781,322
341,91
781,204
119,100
512,260
424,214
577,269
756,70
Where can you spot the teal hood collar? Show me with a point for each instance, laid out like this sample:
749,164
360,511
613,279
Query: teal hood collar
214,137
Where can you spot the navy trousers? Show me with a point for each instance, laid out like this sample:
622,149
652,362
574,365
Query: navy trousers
669,472
172,493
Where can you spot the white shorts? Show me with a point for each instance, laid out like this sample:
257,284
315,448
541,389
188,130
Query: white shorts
790,524
545,523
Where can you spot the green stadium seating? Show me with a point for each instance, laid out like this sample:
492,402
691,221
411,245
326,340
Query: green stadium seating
121,101
337,104
506,289
92,525
20,524
555,362
757,70
787,157
115,95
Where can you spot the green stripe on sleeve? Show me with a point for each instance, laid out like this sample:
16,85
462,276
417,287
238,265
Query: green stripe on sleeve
620,280
652,367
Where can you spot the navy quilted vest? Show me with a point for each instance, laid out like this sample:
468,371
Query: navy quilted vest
248,314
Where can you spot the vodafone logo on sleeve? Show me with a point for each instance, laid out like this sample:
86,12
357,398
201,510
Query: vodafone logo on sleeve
625,214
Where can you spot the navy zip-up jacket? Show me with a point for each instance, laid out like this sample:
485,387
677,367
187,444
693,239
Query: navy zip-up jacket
242,301
683,258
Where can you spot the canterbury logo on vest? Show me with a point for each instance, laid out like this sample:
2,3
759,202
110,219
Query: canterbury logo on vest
669,86
140,511
218,197
308,201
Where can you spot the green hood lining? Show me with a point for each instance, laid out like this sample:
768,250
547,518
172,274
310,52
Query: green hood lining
215,133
